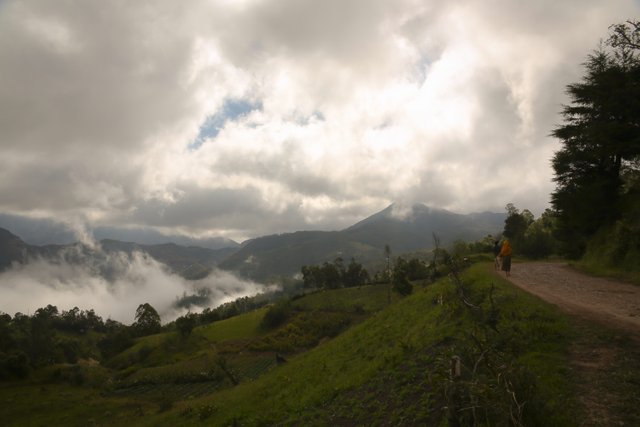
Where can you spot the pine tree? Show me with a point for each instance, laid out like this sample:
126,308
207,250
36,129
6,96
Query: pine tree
600,140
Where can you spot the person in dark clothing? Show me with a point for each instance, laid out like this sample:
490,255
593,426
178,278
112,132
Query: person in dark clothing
496,252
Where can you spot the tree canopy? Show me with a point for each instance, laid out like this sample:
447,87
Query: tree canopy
147,320
334,275
600,140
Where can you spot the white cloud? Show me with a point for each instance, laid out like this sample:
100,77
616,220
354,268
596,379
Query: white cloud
361,103
113,284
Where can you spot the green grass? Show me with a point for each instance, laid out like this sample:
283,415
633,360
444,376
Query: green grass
235,328
614,251
389,367
412,338
132,354
596,268
167,348
369,299
27,404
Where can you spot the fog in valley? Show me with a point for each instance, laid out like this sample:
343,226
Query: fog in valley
112,284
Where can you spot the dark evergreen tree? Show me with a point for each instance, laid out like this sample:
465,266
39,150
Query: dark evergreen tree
600,139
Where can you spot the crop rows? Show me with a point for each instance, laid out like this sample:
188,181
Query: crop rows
179,391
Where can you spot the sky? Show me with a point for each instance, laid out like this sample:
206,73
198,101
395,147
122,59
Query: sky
241,118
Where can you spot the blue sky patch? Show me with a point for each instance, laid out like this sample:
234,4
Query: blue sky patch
230,111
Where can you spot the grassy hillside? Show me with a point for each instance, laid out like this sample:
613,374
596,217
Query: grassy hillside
394,368
353,357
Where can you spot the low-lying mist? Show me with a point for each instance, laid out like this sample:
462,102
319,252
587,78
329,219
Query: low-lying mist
113,284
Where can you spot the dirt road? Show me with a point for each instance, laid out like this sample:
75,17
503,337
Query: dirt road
604,364
612,303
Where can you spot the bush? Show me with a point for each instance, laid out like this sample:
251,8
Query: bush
276,315
616,247
538,242
401,284
185,324
14,365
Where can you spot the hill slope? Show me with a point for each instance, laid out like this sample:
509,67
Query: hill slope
12,249
396,367
403,230
406,230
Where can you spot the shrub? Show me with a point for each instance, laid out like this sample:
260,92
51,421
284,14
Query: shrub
276,315
14,365
185,324
401,284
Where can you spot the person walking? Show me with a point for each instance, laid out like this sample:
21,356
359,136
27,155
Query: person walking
496,252
505,257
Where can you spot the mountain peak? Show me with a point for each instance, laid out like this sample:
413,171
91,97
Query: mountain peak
403,211
12,249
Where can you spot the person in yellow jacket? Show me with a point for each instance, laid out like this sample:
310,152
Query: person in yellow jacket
505,256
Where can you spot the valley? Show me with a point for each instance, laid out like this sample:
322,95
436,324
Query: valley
336,357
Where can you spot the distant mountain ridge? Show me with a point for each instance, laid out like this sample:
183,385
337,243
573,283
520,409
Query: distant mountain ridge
47,231
410,229
404,229
190,262
12,249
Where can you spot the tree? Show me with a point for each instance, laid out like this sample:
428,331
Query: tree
185,324
311,276
6,335
416,269
355,274
516,223
277,314
460,248
118,337
400,283
147,320
41,344
625,38
600,140
48,312
330,274
538,240
387,254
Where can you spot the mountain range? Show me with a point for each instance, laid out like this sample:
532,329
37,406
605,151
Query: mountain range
269,257
403,229
191,262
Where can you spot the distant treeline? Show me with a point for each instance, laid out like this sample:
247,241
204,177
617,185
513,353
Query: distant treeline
51,336
334,275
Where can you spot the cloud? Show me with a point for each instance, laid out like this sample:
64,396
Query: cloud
113,284
253,117
37,231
